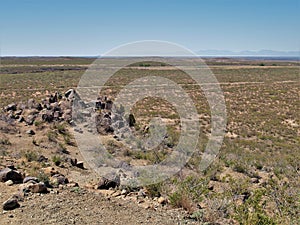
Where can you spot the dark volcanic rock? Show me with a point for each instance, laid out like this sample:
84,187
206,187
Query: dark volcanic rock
30,132
9,174
29,179
11,204
111,182
11,107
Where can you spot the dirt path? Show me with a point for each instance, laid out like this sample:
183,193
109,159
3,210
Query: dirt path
84,207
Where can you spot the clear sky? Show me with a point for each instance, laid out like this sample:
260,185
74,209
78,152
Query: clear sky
90,27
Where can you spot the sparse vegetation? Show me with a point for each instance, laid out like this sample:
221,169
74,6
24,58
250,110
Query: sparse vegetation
30,156
254,180
5,141
57,160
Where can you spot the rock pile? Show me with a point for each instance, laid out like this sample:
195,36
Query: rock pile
58,107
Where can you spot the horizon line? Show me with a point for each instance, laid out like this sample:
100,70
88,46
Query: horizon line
96,56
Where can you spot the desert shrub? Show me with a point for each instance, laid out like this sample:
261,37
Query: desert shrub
52,136
68,140
172,137
287,199
57,160
62,149
30,156
144,65
181,200
188,192
154,190
252,212
38,123
42,177
61,128
240,168
5,141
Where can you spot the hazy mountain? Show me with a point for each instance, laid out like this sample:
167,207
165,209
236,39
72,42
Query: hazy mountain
248,53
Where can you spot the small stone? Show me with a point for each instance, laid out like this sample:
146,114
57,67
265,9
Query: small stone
30,132
73,184
78,130
9,183
79,164
11,204
54,191
162,200
18,112
21,119
254,180
42,159
142,193
116,193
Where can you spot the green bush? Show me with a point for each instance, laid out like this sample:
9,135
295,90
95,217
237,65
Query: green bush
252,212
30,156
57,160
52,136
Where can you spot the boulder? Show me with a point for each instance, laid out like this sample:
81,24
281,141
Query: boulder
112,181
11,107
73,162
58,179
30,103
30,119
21,119
18,112
30,179
9,174
71,94
11,204
48,116
37,188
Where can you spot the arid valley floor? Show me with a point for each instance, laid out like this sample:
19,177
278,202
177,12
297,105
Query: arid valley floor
254,179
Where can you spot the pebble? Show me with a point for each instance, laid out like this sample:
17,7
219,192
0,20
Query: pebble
9,183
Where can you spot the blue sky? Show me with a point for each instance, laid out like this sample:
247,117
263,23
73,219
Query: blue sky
69,27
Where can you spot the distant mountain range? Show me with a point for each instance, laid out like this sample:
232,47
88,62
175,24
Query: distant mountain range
248,53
